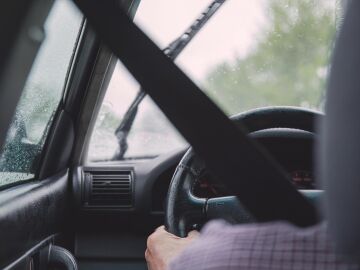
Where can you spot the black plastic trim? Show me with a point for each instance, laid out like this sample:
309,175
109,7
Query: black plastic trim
31,213
59,142
60,257
47,241
86,193
59,146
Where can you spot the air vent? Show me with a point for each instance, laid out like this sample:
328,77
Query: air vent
109,189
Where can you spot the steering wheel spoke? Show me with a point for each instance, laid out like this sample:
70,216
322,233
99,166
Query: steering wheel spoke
192,211
228,208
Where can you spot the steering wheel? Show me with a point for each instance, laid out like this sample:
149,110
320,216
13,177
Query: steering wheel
184,209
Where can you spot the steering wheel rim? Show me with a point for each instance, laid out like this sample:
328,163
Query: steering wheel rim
183,208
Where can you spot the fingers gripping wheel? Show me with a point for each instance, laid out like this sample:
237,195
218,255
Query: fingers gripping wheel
184,209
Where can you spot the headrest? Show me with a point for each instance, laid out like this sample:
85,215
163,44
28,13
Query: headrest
339,155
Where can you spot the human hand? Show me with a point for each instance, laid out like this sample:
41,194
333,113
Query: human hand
163,246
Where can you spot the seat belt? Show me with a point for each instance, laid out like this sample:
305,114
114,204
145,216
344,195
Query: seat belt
244,167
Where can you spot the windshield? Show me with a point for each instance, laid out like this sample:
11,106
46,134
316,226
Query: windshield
250,54
265,53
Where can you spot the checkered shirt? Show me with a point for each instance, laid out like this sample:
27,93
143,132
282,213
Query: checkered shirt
268,246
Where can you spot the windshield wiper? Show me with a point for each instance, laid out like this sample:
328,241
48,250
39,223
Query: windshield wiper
172,51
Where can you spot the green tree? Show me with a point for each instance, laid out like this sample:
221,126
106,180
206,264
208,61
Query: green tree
288,65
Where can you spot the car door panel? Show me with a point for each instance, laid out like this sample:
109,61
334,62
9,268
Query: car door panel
30,214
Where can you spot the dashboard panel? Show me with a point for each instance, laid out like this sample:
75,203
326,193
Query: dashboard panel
123,224
293,149
208,187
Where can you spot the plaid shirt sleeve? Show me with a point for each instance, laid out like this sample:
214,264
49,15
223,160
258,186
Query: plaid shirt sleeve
268,246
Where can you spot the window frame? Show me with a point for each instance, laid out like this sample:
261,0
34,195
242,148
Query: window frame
104,64
46,169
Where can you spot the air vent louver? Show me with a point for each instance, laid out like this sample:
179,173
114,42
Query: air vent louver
109,189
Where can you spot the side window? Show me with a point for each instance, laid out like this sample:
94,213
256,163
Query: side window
41,95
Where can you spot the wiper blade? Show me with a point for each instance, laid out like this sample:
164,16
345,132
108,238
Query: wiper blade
122,132
179,44
172,51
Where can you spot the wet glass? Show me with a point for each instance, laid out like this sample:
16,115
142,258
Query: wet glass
41,95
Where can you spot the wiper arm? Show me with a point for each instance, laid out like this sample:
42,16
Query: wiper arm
179,44
172,51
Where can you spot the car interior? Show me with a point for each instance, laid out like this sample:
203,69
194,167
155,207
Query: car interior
104,136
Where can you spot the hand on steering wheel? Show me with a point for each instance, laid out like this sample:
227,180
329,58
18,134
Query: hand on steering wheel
162,247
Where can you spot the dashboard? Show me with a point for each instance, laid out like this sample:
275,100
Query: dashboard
147,182
208,187
130,196
122,202
293,149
